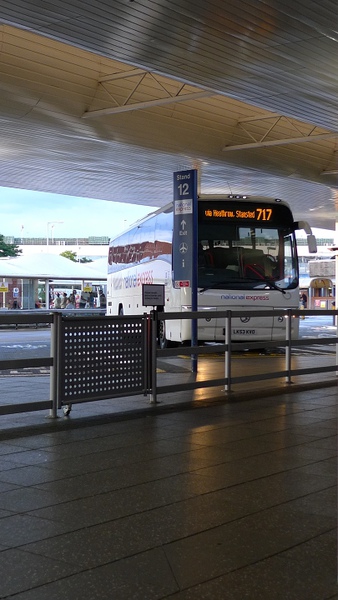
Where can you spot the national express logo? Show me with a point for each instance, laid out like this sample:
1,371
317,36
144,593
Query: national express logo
233,297
252,297
134,280
117,283
257,297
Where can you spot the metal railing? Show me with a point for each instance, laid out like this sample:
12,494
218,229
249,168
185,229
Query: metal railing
98,357
228,347
95,357
26,318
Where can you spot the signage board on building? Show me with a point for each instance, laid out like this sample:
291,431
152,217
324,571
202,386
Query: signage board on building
322,268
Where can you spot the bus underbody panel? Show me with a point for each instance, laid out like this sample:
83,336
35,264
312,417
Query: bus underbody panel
245,328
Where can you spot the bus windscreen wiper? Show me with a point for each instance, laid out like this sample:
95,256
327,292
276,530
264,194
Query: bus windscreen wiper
262,281
219,283
269,282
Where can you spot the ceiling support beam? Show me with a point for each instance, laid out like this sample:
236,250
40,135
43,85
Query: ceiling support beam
281,142
122,75
113,110
259,118
332,167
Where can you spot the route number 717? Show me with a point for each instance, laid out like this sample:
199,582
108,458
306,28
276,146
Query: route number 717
264,214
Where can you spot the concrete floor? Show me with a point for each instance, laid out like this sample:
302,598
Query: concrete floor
222,500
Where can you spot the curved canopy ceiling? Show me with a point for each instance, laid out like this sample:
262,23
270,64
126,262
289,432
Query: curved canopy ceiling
106,100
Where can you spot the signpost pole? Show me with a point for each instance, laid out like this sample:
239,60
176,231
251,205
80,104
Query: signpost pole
4,290
194,274
185,241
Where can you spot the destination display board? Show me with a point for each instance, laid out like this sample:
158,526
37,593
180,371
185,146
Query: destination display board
244,212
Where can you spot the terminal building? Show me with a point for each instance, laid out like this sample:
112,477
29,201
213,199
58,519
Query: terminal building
90,248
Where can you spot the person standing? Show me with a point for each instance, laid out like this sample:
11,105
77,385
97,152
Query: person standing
303,299
64,300
57,300
70,302
103,301
83,300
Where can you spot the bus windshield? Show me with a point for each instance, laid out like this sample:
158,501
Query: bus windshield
237,254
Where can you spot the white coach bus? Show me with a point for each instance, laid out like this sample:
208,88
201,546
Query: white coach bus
247,260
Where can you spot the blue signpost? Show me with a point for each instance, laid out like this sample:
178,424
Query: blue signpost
185,236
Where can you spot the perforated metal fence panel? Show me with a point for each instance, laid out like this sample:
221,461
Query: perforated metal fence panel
101,357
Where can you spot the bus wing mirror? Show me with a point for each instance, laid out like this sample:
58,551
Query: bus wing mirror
311,239
312,243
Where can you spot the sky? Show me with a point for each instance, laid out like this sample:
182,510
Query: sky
29,214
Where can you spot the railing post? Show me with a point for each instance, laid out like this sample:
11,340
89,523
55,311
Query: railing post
59,349
194,342
335,317
54,367
153,342
227,356
288,345
147,352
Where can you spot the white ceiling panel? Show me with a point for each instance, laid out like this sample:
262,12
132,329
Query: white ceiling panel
92,98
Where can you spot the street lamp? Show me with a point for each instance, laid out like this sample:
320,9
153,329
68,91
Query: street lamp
52,223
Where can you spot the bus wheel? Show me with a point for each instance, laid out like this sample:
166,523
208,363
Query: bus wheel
162,340
121,310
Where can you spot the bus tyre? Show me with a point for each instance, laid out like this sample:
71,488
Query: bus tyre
121,310
162,340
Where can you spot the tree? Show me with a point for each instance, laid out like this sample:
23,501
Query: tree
73,257
70,255
8,249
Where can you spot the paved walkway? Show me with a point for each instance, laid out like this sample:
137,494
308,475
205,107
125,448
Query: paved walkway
222,500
